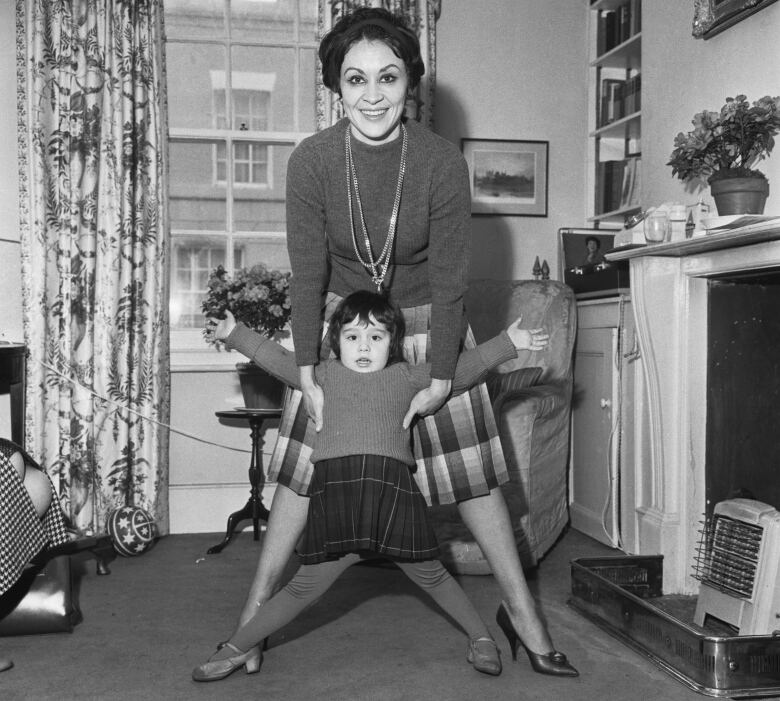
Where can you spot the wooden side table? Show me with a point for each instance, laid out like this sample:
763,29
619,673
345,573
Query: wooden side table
254,508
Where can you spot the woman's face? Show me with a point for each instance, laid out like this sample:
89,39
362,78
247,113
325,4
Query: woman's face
373,91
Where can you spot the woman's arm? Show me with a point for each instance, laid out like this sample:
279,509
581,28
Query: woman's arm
308,251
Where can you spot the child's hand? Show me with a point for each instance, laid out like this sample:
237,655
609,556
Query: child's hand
221,328
527,339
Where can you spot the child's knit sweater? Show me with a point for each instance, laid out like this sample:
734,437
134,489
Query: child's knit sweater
363,412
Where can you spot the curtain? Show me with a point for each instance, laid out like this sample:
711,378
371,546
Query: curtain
94,238
421,16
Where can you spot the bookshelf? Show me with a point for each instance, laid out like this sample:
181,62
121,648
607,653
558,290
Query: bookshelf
614,111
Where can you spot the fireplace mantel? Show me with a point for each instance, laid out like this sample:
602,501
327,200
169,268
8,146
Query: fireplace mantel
669,289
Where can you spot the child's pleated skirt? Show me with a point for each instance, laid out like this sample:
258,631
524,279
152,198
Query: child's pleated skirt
366,504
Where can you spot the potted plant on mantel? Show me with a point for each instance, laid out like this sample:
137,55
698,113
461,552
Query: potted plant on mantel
260,298
723,149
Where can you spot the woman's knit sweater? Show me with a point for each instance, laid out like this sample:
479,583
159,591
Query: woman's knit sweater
363,412
431,251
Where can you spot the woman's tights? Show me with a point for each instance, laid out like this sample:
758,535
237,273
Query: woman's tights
310,582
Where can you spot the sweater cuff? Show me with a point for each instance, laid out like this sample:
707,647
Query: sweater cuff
497,350
244,340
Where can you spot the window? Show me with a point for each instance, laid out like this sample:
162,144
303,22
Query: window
241,95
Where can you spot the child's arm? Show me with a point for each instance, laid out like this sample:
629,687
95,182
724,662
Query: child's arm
268,354
474,364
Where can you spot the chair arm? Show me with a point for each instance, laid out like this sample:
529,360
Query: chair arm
541,400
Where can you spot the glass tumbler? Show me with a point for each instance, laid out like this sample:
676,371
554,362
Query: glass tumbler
657,227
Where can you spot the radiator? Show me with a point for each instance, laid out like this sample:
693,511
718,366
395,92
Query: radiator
738,567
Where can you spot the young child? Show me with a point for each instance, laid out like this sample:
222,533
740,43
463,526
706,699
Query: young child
364,499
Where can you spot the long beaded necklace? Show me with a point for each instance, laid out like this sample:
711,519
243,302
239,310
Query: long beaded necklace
377,267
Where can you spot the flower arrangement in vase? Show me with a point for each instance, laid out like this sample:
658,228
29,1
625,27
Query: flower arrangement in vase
260,299
724,147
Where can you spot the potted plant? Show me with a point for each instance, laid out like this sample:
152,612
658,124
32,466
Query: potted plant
723,149
260,298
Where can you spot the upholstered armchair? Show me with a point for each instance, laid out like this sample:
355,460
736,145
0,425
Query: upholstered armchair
531,399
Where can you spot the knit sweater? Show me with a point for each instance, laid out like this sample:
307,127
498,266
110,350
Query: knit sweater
363,412
431,250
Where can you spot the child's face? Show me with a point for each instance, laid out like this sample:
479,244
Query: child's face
364,347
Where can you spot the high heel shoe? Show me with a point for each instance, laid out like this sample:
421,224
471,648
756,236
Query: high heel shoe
554,663
483,653
214,670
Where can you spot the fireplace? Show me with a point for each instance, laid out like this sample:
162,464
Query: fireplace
708,325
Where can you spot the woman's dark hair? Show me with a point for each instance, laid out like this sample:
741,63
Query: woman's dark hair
370,23
363,305
593,238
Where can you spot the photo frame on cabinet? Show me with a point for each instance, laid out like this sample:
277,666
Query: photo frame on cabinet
507,177
713,16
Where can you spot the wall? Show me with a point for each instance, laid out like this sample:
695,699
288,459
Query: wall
682,75
516,69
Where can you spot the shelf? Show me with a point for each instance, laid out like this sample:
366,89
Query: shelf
615,213
625,55
627,127
606,4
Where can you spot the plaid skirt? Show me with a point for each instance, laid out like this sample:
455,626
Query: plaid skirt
457,449
366,504
22,534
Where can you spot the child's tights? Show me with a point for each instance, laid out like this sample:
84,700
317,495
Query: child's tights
310,582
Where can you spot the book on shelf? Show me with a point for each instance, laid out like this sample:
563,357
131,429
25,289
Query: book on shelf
630,191
617,26
609,186
632,101
611,108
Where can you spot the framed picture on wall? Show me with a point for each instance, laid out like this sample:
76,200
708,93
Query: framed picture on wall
507,177
713,16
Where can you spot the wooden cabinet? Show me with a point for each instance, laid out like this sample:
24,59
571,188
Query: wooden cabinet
614,111
608,417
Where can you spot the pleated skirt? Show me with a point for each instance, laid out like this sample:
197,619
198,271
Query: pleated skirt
366,504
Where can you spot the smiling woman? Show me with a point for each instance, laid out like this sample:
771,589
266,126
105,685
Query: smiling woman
344,184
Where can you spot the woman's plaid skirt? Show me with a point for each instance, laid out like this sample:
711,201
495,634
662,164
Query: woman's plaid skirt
22,534
366,504
457,449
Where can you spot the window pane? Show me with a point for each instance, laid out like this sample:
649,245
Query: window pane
196,86
263,20
271,251
194,257
194,19
262,208
196,201
270,71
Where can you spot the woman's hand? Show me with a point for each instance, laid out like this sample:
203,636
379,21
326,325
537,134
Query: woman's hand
221,328
527,339
313,396
428,400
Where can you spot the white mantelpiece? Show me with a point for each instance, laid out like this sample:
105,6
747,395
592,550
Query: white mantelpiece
669,296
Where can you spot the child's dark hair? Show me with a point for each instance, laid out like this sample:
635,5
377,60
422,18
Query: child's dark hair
363,305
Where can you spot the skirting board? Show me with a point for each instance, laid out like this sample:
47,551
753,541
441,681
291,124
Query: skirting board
204,508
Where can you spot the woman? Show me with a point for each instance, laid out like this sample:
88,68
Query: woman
377,200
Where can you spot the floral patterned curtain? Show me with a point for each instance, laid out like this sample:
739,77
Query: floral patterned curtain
421,15
95,251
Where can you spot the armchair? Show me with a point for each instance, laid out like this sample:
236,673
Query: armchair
531,399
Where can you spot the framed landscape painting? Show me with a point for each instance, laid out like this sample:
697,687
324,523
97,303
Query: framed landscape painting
507,177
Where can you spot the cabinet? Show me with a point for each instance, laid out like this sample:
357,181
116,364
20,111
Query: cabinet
608,417
614,111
